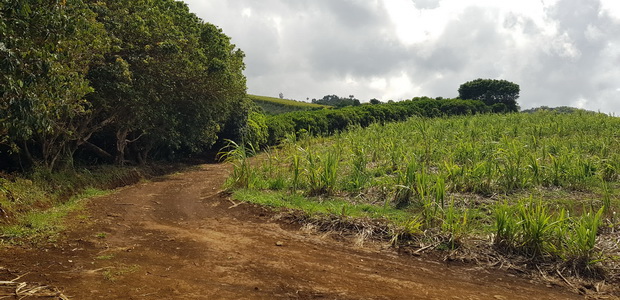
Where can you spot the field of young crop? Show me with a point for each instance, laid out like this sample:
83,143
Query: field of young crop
275,106
540,185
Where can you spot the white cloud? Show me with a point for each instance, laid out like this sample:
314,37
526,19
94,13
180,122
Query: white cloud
379,83
400,87
413,25
580,103
611,7
247,12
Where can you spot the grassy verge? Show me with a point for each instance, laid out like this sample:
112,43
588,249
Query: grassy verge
44,225
33,205
318,206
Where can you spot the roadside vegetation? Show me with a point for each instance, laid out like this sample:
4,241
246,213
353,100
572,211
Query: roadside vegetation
33,206
540,186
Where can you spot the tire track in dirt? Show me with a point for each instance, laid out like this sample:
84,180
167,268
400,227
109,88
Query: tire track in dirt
178,238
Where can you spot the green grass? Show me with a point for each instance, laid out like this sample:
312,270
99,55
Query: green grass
105,257
116,273
317,206
41,225
275,106
33,205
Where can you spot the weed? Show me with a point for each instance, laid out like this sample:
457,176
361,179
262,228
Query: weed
359,175
607,191
243,175
105,257
296,169
406,185
113,274
329,175
582,239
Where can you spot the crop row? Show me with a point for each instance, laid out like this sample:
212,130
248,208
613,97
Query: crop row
484,154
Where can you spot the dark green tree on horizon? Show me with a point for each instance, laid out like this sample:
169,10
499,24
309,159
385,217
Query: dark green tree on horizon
335,101
501,95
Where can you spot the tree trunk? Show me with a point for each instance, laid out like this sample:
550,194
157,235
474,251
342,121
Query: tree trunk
98,151
121,145
26,152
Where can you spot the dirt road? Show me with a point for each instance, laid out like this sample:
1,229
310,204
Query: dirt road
177,238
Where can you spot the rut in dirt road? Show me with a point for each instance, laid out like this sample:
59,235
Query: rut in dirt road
179,238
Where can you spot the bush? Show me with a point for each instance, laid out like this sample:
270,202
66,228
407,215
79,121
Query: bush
256,132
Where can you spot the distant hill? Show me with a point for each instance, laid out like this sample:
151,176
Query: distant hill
276,106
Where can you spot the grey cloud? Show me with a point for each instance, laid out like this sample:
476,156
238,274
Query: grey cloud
321,43
332,40
589,77
472,46
359,48
354,14
469,48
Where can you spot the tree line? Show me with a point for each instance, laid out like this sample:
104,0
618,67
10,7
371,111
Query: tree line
271,130
114,81
475,97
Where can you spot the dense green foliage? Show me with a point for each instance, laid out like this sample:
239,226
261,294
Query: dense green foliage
375,101
276,106
45,50
450,172
118,80
502,95
332,121
335,101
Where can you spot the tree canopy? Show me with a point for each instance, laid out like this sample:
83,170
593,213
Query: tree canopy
335,101
502,95
122,79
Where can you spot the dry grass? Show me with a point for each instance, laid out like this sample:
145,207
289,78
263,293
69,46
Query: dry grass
17,289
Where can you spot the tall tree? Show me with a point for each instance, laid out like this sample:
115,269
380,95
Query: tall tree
502,95
114,76
45,50
171,80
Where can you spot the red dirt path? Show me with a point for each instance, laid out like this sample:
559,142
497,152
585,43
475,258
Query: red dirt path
178,238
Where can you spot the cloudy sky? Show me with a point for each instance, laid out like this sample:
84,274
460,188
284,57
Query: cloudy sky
561,52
